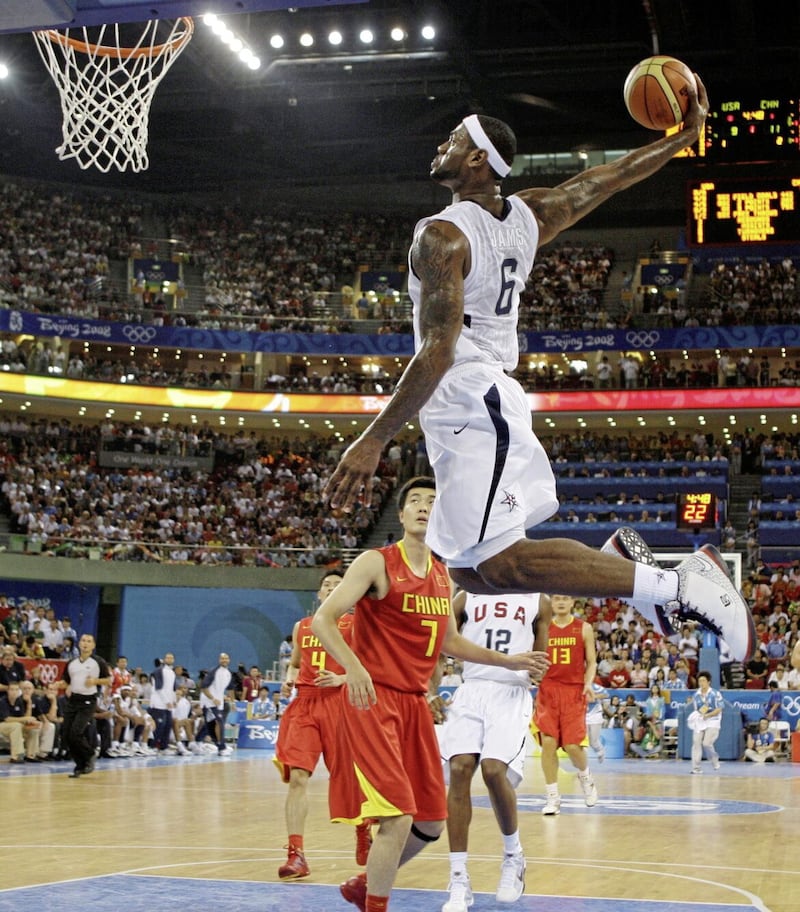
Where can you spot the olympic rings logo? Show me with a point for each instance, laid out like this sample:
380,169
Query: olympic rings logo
642,338
668,279
791,705
48,672
139,334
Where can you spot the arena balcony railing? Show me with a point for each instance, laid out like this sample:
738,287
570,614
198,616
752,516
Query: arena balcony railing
165,552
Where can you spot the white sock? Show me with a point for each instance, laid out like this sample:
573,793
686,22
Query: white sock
584,774
551,789
458,863
511,843
653,586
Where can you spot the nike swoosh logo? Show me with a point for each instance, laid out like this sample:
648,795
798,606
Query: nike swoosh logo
459,430
401,579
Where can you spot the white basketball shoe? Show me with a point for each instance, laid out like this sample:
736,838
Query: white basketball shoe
512,878
461,897
706,593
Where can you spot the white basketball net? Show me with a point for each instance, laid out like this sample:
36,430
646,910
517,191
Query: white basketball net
106,89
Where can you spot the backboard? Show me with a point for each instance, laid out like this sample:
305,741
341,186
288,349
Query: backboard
32,15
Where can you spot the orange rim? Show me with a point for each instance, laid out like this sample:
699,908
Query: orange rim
102,50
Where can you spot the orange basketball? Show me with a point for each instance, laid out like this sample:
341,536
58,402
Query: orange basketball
656,92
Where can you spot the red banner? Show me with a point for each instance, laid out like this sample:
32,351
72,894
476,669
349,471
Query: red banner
51,669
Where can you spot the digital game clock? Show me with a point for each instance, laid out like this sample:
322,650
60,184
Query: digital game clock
696,511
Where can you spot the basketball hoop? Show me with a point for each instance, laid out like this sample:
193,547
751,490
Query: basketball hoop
106,89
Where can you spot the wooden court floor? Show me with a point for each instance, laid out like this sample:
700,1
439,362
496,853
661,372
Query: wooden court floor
139,833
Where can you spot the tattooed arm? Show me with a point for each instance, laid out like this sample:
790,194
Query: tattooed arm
560,207
440,258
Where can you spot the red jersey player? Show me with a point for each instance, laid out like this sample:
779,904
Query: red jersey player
560,713
403,621
308,729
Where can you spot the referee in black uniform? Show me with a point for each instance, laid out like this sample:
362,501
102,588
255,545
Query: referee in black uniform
83,677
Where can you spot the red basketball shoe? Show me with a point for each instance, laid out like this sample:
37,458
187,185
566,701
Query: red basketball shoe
354,890
295,867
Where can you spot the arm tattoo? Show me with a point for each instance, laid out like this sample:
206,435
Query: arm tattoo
438,265
437,261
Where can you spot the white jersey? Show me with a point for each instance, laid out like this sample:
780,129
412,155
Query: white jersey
162,696
216,682
503,623
182,710
502,251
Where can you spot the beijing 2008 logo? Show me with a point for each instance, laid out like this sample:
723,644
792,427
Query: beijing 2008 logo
139,334
642,338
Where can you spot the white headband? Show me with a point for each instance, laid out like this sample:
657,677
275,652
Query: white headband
478,135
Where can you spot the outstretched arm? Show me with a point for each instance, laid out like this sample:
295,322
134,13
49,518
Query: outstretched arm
438,256
535,663
560,207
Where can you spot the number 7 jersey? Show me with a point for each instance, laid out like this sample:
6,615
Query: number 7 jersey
398,638
502,251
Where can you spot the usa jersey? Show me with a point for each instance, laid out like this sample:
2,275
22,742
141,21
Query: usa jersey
398,638
503,623
313,657
502,251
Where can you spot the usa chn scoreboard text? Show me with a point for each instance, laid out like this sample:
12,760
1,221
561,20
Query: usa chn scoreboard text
749,211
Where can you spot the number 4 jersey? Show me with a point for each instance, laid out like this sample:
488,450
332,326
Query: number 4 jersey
503,623
314,658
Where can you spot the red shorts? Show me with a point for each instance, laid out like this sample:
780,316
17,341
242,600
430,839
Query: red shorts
308,730
387,761
561,712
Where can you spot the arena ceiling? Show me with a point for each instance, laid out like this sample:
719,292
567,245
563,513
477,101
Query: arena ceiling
553,68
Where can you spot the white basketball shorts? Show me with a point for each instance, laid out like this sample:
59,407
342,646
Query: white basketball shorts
489,719
493,477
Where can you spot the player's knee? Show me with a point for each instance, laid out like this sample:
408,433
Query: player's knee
298,778
493,771
462,767
427,830
503,571
471,581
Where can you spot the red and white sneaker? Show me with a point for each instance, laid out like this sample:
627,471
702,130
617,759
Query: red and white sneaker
354,890
296,866
627,543
707,594
363,842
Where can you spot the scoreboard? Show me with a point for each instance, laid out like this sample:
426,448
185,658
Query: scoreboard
696,511
747,211
749,129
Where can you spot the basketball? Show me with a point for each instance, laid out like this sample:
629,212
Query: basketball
656,92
